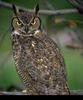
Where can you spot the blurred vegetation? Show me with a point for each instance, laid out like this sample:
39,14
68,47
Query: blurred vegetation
73,59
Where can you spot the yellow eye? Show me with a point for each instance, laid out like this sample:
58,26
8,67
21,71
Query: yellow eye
18,23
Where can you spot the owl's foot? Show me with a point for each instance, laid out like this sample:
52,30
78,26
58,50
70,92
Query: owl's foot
29,92
24,91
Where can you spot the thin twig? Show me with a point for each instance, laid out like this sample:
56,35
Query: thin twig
77,4
49,5
43,12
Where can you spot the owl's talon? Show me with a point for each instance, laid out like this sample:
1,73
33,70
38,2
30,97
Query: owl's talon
24,91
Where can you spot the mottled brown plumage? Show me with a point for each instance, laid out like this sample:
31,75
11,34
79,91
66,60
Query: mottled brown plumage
38,60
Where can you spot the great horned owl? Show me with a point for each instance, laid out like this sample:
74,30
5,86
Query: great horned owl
38,60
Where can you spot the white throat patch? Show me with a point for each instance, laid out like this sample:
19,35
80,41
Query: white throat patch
15,32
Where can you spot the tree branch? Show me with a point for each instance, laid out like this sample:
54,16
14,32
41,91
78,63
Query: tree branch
75,46
72,92
11,93
43,12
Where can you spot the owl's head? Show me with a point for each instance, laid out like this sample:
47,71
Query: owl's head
25,23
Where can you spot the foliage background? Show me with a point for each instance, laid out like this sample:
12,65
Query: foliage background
73,59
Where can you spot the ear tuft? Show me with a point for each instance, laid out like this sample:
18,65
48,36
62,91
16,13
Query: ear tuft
15,9
37,9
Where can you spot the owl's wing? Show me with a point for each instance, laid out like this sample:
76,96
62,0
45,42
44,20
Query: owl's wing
46,62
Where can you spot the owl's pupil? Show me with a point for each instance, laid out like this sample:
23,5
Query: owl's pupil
18,23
